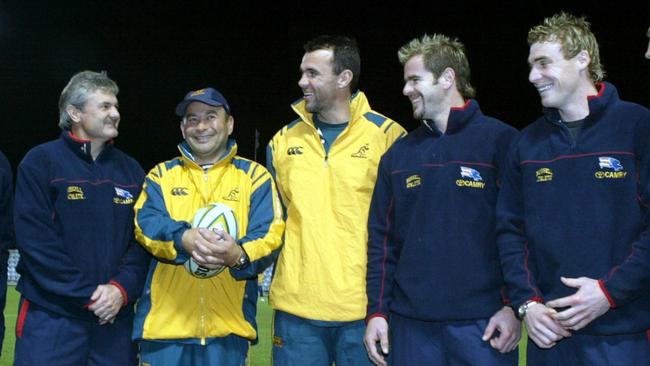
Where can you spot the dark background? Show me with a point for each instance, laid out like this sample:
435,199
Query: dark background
251,52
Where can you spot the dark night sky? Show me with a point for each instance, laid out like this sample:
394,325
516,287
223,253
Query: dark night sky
251,53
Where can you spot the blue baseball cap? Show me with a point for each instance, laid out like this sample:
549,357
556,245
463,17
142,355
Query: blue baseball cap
209,96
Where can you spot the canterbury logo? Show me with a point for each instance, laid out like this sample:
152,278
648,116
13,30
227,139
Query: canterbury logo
362,152
179,191
296,150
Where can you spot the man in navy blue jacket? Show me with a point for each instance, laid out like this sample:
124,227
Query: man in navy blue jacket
573,209
433,270
6,233
81,268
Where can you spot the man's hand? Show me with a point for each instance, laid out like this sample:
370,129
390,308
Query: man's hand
542,327
107,301
587,304
377,331
509,327
222,252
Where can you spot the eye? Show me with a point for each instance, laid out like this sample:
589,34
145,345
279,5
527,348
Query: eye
211,117
192,120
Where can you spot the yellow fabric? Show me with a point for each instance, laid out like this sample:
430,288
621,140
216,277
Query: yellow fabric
321,271
174,304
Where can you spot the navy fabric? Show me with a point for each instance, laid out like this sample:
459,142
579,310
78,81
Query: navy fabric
580,207
299,342
581,349
50,339
416,342
226,351
74,225
432,252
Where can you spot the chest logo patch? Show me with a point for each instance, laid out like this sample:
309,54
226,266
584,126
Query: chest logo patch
544,175
294,150
611,168
123,197
233,195
75,193
179,191
363,152
413,181
470,178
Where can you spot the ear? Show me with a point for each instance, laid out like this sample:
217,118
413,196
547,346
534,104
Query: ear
344,79
230,124
74,113
447,78
182,130
583,59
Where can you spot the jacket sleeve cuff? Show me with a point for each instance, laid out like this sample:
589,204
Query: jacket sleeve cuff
601,284
375,315
122,291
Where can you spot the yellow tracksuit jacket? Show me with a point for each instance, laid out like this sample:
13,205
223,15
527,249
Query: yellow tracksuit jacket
321,270
174,305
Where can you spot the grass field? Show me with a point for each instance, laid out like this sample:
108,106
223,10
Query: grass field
260,354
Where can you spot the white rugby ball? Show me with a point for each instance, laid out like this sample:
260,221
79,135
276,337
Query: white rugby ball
216,217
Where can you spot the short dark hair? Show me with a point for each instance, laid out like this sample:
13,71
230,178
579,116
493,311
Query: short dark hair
345,51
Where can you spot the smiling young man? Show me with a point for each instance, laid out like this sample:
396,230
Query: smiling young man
433,271
185,320
325,165
81,268
573,209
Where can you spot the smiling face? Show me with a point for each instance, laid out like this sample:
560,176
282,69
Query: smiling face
206,130
422,88
99,118
557,79
318,80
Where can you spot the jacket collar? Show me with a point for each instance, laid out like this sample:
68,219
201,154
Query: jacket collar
607,94
188,157
459,117
358,106
82,147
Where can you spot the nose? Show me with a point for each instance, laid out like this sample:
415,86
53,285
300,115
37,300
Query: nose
406,89
114,113
302,82
647,53
533,75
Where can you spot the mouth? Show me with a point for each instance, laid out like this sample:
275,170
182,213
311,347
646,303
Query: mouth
202,138
542,88
415,102
308,96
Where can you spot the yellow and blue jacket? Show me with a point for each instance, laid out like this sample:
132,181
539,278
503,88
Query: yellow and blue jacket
321,271
176,306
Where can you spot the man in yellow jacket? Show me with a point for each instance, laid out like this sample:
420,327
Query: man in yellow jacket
185,320
325,165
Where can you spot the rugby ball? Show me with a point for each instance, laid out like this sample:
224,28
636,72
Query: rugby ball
216,217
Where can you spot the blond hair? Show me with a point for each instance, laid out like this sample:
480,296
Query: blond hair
574,35
440,52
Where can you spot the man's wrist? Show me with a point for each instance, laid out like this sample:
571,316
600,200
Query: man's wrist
523,309
242,260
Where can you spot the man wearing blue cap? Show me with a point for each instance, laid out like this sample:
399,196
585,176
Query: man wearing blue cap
182,319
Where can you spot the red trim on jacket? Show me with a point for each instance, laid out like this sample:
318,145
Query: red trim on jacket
122,291
380,315
612,304
20,322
